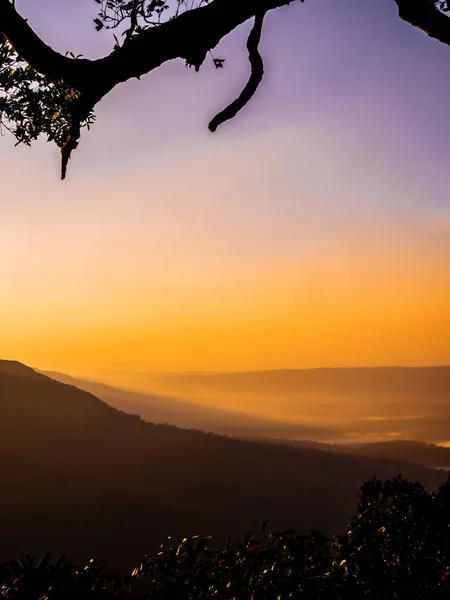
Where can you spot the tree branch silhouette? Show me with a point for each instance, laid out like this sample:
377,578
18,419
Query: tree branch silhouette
256,76
425,15
187,35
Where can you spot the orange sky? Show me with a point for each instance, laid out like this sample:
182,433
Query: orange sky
207,285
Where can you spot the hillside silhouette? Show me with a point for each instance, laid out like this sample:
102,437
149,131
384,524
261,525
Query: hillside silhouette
429,455
78,474
166,409
418,452
161,409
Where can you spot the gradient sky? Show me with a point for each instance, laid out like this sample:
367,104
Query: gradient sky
313,230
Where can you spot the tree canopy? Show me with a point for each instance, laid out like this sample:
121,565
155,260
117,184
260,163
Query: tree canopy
397,547
45,92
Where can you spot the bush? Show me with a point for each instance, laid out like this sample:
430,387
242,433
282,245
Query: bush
396,547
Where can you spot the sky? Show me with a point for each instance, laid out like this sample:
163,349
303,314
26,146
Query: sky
313,230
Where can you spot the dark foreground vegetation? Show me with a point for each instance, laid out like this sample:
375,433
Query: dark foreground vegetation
396,547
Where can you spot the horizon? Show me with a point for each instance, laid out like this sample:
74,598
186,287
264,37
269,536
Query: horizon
112,378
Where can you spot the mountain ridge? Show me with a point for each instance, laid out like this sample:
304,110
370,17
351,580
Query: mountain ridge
156,408
80,475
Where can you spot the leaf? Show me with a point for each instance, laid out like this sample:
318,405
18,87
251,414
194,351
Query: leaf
61,560
202,543
44,562
247,538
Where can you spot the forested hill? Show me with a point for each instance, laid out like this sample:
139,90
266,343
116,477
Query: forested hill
79,476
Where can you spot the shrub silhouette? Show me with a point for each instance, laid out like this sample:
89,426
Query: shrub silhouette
397,546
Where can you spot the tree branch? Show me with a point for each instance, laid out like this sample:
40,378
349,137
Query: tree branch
36,53
256,76
424,15
188,36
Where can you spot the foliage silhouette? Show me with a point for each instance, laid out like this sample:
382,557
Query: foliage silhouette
397,546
